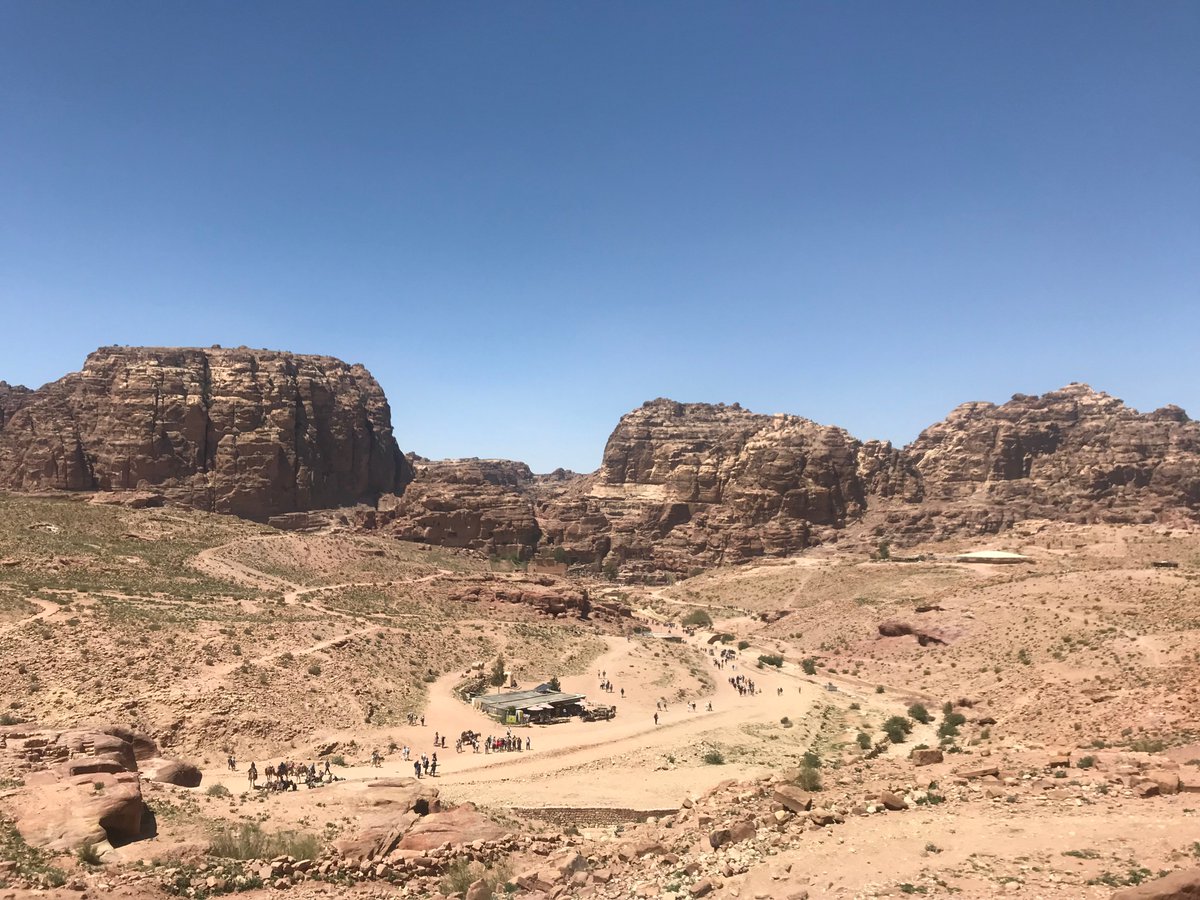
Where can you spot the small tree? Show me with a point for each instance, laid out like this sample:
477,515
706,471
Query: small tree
918,713
554,683
698,618
497,676
809,665
885,550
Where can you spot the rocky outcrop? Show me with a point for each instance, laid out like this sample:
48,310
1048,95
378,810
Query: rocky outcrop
12,398
83,786
688,485
479,504
255,433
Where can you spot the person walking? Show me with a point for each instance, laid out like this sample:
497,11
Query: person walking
656,718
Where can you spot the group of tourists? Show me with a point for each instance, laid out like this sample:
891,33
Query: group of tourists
606,685
743,685
286,776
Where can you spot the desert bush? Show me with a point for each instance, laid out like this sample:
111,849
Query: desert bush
1086,762
947,730
742,645
698,618
918,713
897,729
771,659
88,855
314,669
864,740
714,757
809,778
217,790
250,841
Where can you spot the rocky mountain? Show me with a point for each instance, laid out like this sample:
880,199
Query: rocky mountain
685,486
1074,454
681,486
255,433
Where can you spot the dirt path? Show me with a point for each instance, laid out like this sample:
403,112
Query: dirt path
48,609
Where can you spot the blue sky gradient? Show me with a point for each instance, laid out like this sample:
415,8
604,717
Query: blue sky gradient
528,218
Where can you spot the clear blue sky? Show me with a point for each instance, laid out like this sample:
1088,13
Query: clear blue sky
527,218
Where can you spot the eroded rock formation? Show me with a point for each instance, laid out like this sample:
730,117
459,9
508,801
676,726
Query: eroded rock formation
686,486
250,432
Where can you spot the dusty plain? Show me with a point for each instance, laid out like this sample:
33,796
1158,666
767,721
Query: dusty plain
1063,694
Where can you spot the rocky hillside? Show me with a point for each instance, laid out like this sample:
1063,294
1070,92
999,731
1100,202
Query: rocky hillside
685,486
249,432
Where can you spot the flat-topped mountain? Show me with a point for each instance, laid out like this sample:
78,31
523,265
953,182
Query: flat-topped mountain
249,432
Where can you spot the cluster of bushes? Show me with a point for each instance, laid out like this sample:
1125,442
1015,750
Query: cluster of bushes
250,841
770,659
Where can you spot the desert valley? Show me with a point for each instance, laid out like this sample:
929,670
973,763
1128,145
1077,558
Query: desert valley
839,668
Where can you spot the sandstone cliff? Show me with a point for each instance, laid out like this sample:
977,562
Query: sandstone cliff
480,504
686,486
249,432
12,398
1075,454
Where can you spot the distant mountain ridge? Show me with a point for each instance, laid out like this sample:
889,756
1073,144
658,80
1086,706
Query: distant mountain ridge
681,486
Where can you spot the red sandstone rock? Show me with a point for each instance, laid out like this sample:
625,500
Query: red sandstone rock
250,432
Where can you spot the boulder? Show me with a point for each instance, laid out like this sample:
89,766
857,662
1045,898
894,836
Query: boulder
892,801
81,809
1167,780
793,798
926,757
173,771
459,825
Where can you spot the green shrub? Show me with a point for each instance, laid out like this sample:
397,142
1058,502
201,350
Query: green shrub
1086,762
714,757
337,760
314,669
897,729
698,618
88,855
809,778
918,713
217,790
864,740
879,688
771,659
743,645
811,760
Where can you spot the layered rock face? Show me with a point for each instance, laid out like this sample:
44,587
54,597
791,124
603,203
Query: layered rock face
480,504
250,432
1074,454
686,485
12,398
